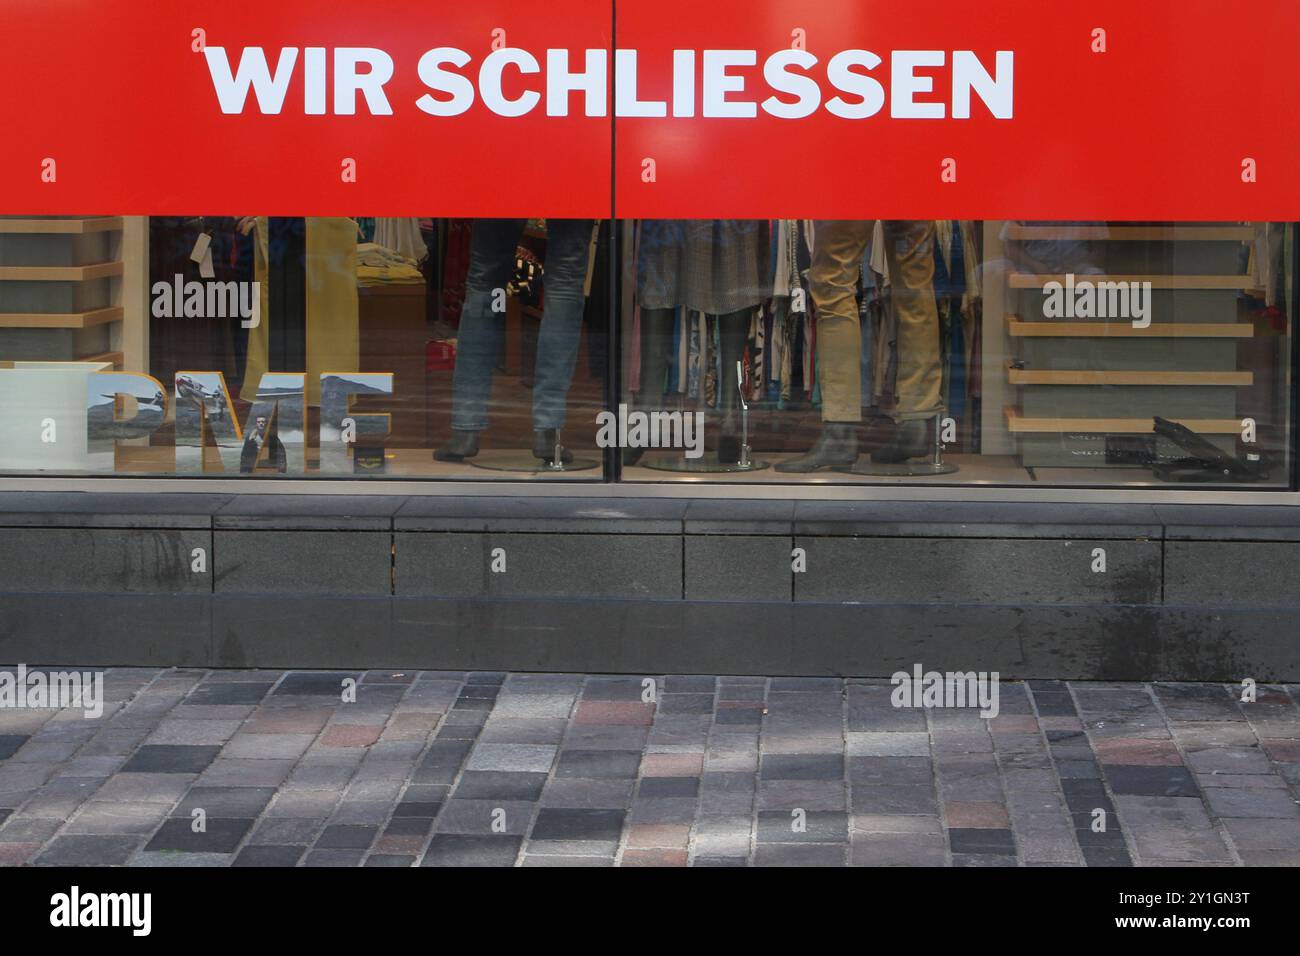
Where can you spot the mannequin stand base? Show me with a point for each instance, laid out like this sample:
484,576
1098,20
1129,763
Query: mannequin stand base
523,461
706,465
904,469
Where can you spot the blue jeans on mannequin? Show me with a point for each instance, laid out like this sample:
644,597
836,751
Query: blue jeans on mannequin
492,259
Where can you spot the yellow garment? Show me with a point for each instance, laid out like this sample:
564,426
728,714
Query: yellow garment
333,330
837,258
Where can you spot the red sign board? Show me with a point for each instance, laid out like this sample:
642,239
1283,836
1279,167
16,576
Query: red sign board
1027,109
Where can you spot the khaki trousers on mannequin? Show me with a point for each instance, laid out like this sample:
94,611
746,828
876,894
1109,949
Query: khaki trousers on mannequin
836,261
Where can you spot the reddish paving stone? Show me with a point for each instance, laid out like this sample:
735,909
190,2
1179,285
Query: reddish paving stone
661,835
400,843
1137,751
1281,750
350,735
976,814
16,854
615,712
654,858
672,765
288,722
416,726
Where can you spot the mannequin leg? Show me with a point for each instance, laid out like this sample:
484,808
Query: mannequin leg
909,249
837,260
656,346
492,249
568,244
733,333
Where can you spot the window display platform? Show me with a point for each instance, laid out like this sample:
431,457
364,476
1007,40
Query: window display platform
676,585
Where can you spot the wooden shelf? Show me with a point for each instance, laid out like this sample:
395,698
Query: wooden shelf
1173,233
98,270
61,227
1028,280
68,320
1030,376
1125,330
1017,424
115,358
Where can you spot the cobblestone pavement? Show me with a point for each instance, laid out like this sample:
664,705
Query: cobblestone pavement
442,769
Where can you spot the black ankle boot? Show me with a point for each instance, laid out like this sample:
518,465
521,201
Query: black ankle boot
544,446
836,448
728,449
462,445
908,441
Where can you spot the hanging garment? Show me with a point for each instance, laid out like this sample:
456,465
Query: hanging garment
332,306
714,266
402,235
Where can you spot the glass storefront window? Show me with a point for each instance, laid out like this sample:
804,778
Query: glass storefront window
301,347
1142,337
1005,352
1106,354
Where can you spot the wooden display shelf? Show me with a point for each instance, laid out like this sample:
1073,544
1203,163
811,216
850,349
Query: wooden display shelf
114,358
1017,424
1156,330
1032,280
88,273
61,227
1134,233
61,320
1033,376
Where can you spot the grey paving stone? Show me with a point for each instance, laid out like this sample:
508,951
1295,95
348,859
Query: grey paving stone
373,812
346,836
522,730
981,840
88,851
109,818
668,787
1151,781
269,855
228,692
893,799
485,816
580,793
220,835
1254,802
238,772
801,767
171,758
499,785
537,859
334,857
776,826
897,849
457,849
794,854
598,764
235,802
576,824
164,788
808,794
289,830
525,758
